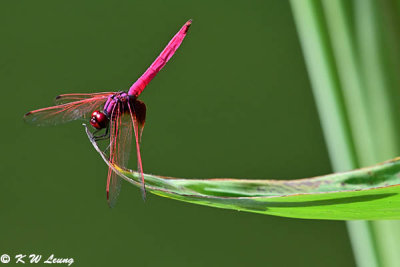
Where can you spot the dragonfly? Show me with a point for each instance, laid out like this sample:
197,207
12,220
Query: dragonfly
113,115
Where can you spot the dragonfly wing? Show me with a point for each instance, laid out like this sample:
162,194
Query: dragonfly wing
137,88
137,112
81,109
139,108
120,147
66,98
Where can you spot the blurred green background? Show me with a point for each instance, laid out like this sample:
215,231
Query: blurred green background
235,101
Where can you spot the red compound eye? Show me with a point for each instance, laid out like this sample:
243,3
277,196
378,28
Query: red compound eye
99,120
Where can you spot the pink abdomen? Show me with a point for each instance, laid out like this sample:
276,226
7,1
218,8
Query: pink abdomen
137,88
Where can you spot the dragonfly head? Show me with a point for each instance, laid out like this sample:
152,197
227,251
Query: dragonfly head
99,120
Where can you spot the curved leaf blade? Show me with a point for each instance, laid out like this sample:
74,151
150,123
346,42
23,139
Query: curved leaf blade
370,193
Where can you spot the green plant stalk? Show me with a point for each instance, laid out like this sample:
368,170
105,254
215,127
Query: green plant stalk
350,77
367,18
376,83
362,234
325,85
321,68
391,32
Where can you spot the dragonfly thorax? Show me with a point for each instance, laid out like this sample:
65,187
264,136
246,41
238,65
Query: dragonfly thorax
116,103
99,120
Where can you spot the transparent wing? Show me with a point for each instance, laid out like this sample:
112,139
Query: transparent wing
81,109
120,147
137,112
66,98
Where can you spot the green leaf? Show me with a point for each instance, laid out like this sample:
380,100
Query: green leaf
370,193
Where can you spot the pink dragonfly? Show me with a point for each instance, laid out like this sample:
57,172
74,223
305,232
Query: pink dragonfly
116,112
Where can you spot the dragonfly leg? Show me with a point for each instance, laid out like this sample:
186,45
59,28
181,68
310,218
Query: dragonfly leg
107,148
104,136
